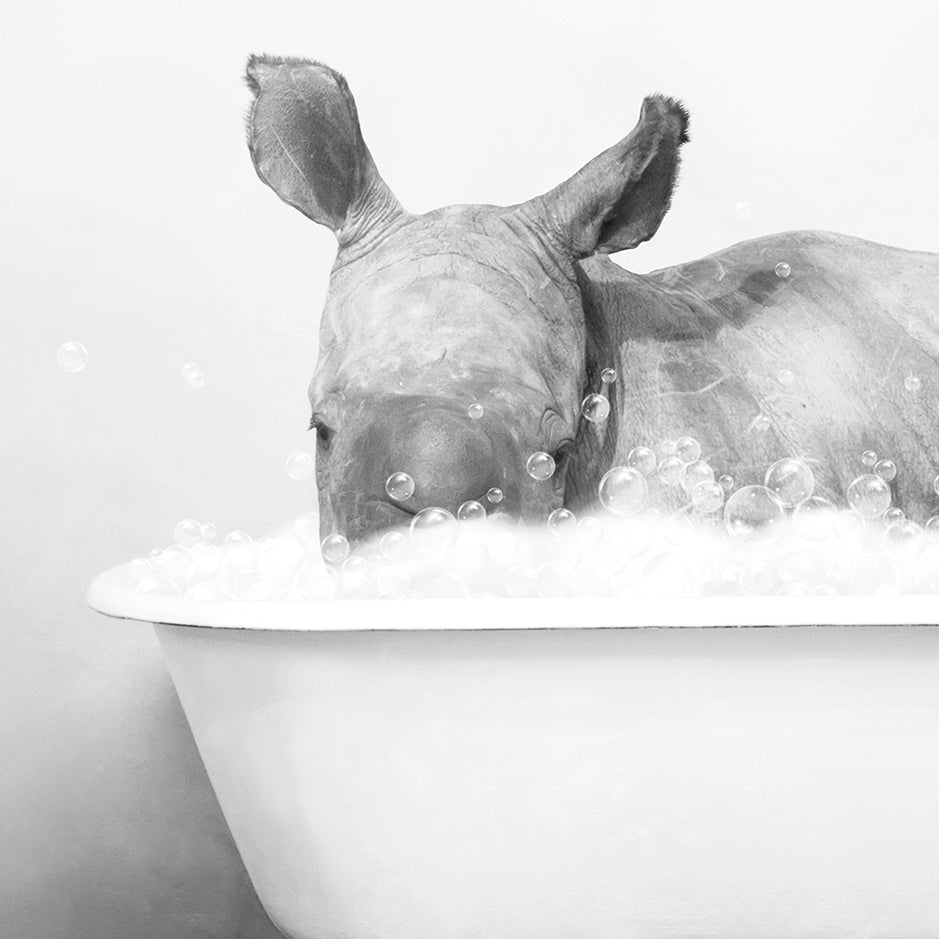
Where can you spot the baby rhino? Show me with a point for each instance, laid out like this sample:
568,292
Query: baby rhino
457,343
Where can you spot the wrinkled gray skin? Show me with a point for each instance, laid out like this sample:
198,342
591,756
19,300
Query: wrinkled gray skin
518,308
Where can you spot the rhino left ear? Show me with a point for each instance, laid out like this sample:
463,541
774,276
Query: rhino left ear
618,200
306,144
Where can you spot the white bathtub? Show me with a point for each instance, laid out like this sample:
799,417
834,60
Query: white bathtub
550,769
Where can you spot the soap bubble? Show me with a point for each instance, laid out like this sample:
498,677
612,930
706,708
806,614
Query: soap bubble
623,490
335,548
475,411
176,562
467,560
188,368
187,533
797,567
666,575
670,470
791,479
886,469
562,521
935,485
495,495
707,496
743,209
299,465
471,511
762,422
521,580
158,583
932,525
905,538
399,486
195,379
760,578
306,528
687,449
595,408
869,496
726,482
240,550
540,465
678,530
693,474
139,568
813,519
393,545
433,530
392,582
668,447
589,531
754,514
554,579
893,515
608,376
72,357
848,525
912,383
874,573
209,531
643,459
785,377
783,269
868,458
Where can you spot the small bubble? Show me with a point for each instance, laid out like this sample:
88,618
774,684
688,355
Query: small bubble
399,486
707,496
642,459
935,485
72,357
668,447
561,521
693,474
476,411
894,515
195,379
762,422
158,583
589,530
176,562
209,531
885,469
471,511
299,465
670,471
687,449
393,545
188,368
813,519
869,496
187,533
623,490
932,525
912,383
306,528
783,269
495,495
743,209
848,525
595,408
540,465
754,514
335,548
433,530
608,376
868,458
140,568
726,482
791,479
785,377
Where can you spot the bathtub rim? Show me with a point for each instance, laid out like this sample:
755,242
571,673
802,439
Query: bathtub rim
113,594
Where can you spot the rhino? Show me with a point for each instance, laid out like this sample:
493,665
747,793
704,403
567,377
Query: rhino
512,314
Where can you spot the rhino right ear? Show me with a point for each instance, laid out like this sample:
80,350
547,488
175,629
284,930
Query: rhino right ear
306,144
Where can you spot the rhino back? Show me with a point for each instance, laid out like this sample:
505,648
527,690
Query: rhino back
700,348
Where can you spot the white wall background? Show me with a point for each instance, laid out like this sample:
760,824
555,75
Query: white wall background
131,220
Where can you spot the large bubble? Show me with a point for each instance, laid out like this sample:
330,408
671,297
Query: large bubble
869,496
754,514
791,480
623,490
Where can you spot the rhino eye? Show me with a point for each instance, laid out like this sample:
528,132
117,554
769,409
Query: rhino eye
324,433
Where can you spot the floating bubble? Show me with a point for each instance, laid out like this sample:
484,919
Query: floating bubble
187,533
623,490
72,357
687,449
693,474
935,485
476,411
495,495
869,496
893,515
540,465
904,537
608,376
868,458
932,524
393,545
782,269
643,459
670,471
299,465
433,530
754,514
912,383
595,408
521,580
306,528
743,209
335,548
176,562
726,482
785,377
589,531
399,486
240,550
669,447
791,479
813,519
561,521
471,511
209,531
762,422
707,496
195,379
886,469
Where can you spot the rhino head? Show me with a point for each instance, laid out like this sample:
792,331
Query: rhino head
427,315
